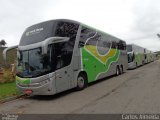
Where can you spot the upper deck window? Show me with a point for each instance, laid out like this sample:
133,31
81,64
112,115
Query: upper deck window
67,29
37,33
40,32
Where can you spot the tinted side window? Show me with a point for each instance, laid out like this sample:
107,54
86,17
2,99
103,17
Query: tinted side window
64,50
66,29
114,44
103,44
105,41
124,45
121,45
87,35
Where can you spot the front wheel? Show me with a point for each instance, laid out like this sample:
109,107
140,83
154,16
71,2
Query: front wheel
81,82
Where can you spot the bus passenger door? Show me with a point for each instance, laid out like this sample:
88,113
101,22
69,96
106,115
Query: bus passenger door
63,60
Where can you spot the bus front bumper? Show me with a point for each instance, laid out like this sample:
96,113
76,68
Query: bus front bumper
131,65
46,88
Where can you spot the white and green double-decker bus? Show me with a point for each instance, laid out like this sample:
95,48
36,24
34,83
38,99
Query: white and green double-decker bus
149,55
58,55
136,56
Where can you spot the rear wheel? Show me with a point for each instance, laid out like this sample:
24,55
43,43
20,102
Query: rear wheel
143,62
81,82
136,65
117,71
121,69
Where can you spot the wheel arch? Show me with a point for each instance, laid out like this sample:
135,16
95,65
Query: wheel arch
84,73
79,86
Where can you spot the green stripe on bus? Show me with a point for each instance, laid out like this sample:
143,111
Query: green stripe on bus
23,81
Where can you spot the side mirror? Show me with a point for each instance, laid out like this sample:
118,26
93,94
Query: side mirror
6,50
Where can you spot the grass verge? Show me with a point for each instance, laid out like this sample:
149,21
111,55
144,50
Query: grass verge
8,90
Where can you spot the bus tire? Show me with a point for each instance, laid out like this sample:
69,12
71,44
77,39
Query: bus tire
81,82
136,65
143,62
121,69
117,71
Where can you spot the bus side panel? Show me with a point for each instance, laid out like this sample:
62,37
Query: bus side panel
139,59
123,60
139,55
96,65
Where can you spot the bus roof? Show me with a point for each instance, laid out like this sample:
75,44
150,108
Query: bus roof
47,28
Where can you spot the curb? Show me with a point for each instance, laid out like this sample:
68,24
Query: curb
12,98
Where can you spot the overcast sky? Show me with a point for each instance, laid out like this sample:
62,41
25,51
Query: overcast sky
135,21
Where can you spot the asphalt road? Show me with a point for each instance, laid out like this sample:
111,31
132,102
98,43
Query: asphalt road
136,91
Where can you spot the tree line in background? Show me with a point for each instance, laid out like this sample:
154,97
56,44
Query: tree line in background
2,43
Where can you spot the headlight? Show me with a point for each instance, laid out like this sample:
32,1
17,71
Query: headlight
44,82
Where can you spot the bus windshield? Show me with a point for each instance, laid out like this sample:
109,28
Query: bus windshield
31,63
129,48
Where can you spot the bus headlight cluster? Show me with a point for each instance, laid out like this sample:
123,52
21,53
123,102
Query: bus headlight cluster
44,82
